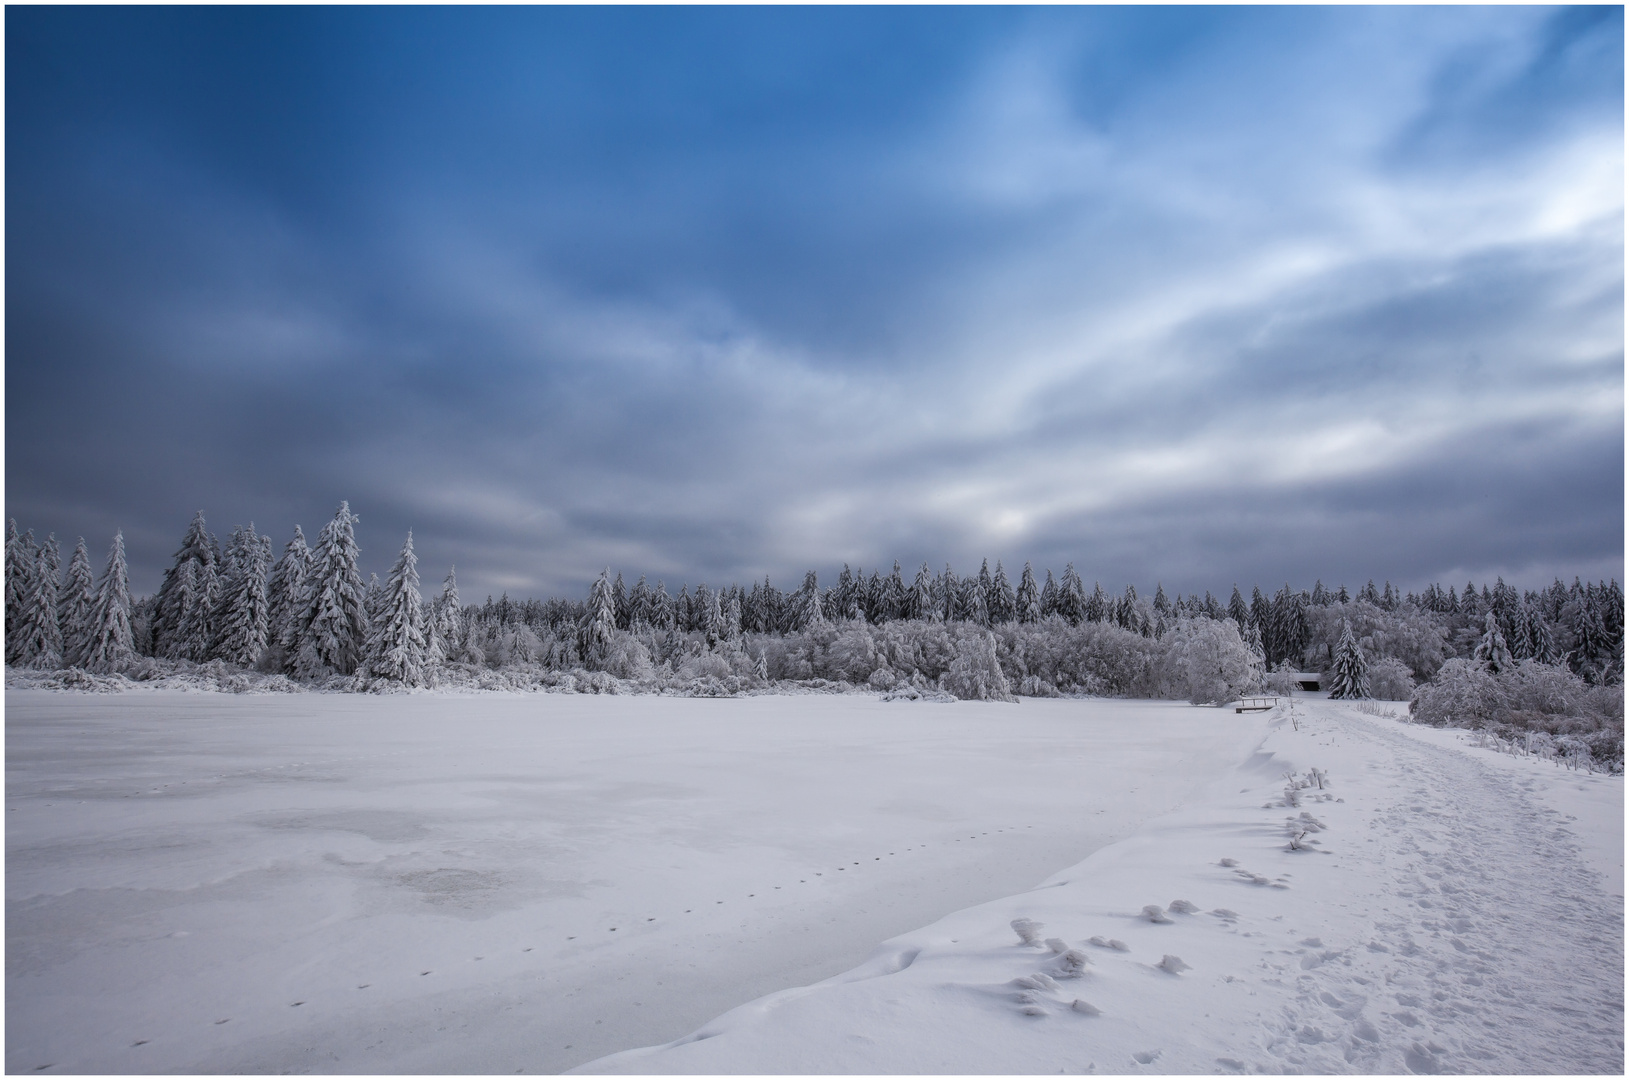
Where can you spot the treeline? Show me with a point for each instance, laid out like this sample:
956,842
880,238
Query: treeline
306,614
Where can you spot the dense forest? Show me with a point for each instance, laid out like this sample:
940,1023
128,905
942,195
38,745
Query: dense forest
1547,661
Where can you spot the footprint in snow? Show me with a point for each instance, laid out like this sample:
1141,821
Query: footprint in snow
1147,1057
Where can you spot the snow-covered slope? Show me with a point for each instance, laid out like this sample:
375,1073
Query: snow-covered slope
1450,910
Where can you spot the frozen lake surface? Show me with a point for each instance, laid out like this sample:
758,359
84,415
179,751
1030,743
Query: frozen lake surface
491,883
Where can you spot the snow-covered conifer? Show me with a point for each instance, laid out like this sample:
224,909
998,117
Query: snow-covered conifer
599,619
285,595
41,645
1162,603
639,605
1072,596
76,607
893,595
973,607
1049,596
111,647
1492,652
1349,673
197,547
920,604
1237,610
1003,601
1258,653
619,598
1098,606
333,626
807,611
950,594
373,601
397,647
1027,601
730,629
661,608
241,615
21,564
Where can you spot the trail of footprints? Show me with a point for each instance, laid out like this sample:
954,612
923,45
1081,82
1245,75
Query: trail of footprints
653,918
1042,992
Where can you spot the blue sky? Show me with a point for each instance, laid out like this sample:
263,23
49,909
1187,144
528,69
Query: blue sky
1198,295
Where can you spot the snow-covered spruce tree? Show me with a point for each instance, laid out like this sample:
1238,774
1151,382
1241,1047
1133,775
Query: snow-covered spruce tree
449,615
1072,596
1027,601
21,563
806,610
40,632
241,616
599,620
396,651
373,600
973,608
893,595
111,647
76,607
197,547
1258,653
1349,672
285,599
1003,601
619,600
1492,652
333,626
1237,609
919,604
1098,606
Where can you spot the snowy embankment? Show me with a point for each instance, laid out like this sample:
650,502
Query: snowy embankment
201,882
1448,910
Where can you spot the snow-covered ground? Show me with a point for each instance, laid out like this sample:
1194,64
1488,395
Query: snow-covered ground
490,883
1451,910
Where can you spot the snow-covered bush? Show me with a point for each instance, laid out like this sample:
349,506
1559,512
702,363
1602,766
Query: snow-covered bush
1390,680
1529,697
1209,661
975,674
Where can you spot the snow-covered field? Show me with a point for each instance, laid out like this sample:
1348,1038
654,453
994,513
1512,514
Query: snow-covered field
489,883
1451,910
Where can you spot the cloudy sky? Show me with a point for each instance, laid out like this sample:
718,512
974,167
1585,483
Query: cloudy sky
1198,296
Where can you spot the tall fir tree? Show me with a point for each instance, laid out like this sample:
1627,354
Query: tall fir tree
1237,610
921,605
1049,596
893,597
333,627
397,647
241,614
1028,599
112,645
21,564
170,611
1493,652
76,607
807,612
285,596
1003,601
1349,671
41,630
449,614
1072,596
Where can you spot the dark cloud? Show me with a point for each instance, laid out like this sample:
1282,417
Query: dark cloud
1183,295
